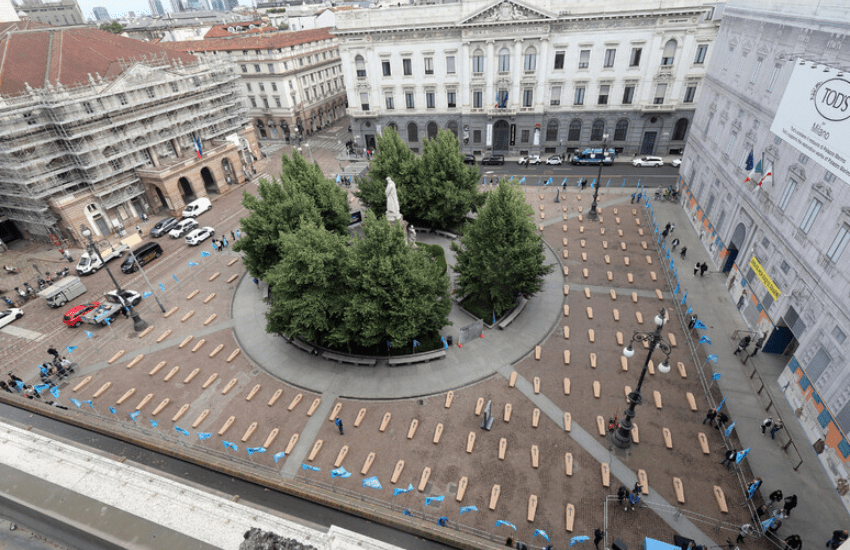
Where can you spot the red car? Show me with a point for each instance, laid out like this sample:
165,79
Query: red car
72,316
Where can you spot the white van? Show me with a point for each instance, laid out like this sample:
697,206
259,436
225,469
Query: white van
197,207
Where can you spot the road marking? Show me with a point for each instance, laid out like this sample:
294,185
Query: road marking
23,333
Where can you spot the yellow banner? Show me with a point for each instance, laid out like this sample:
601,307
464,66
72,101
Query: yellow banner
765,278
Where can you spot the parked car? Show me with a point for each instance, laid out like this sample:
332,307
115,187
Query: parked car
73,317
469,159
554,159
131,297
199,235
530,159
163,226
493,160
648,161
9,315
183,227
676,163
197,207
145,254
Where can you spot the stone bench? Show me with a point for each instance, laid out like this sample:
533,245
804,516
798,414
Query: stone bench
303,346
445,234
417,358
350,359
514,314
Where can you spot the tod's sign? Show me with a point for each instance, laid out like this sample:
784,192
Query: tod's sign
814,116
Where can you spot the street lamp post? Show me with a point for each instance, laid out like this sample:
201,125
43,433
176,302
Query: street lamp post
622,436
307,145
593,214
139,324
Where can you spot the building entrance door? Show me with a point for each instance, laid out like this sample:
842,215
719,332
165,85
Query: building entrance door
647,146
501,137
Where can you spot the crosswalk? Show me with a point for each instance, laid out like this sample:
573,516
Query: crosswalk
327,143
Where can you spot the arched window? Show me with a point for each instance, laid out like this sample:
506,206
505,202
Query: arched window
530,60
597,130
360,64
575,130
452,127
412,133
478,61
432,129
552,130
504,60
394,126
669,54
621,130
680,130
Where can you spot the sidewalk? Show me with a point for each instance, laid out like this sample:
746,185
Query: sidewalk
820,509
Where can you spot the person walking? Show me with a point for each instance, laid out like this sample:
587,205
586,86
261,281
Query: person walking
683,252
338,423
775,497
745,531
697,267
139,231
622,495
52,351
794,542
766,423
790,504
672,228
729,458
664,234
759,344
703,269
778,425
238,235
598,536
232,236
693,321
667,227
838,538
633,198
743,345
709,417
673,245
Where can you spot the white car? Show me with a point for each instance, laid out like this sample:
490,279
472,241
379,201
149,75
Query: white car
9,315
131,297
554,159
530,159
183,228
648,161
676,163
199,235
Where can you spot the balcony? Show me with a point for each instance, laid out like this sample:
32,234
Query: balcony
507,111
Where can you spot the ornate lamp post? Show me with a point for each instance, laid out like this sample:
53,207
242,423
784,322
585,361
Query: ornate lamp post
139,324
622,436
593,214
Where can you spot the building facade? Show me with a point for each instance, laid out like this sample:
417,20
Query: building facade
156,8
782,244
100,13
101,139
509,77
60,14
293,81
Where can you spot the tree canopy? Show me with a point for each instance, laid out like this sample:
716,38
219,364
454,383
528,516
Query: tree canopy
435,190
113,27
500,256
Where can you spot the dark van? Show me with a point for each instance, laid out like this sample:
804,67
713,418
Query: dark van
145,254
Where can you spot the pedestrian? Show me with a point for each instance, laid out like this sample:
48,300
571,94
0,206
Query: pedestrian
697,268
683,252
338,423
224,242
729,458
238,235
672,228
776,427
583,183
721,420
52,351
775,497
673,245
742,346
745,531
667,227
598,536
759,344
622,494
709,417
703,269
232,236
67,255
633,198
144,217
753,486
640,195
790,504
257,283
766,423
664,234
693,322
509,542
636,489
794,542
139,231
634,500
838,538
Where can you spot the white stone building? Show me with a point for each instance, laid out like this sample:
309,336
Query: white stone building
782,245
512,77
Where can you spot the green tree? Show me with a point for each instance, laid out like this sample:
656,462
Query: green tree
329,198
501,255
394,160
113,27
396,293
308,298
447,188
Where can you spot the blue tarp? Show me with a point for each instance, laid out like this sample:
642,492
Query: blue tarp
652,544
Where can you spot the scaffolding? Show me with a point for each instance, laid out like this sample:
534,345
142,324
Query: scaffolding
59,143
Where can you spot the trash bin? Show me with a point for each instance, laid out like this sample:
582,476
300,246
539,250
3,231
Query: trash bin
450,340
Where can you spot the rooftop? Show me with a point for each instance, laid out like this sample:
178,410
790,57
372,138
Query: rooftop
283,39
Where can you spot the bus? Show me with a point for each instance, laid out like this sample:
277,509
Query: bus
594,156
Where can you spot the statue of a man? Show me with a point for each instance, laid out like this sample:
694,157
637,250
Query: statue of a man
412,232
393,210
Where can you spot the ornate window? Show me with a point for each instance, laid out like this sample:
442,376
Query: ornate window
552,130
575,130
597,130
